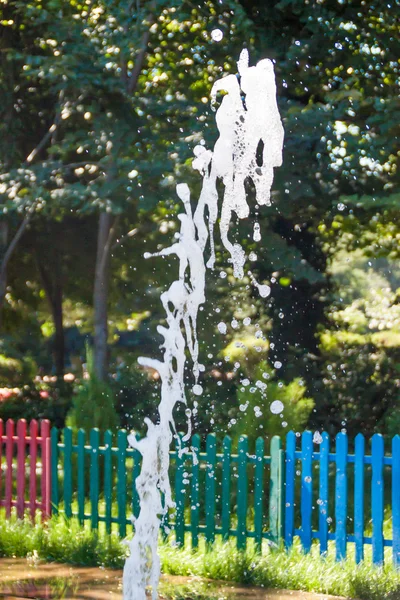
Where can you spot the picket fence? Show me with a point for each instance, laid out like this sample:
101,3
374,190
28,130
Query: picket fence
304,491
22,444
212,493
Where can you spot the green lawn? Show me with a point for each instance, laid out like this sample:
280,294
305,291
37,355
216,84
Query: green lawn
65,541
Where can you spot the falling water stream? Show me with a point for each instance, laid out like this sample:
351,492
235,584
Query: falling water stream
249,146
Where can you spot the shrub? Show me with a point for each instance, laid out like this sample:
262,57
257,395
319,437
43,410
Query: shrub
357,386
94,404
16,370
34,402
254,416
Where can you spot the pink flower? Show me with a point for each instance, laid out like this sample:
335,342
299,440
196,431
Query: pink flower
44,394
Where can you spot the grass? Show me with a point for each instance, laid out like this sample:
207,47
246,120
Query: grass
65,541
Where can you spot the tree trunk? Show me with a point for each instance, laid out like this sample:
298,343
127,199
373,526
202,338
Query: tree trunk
100,296
53,286
3,272
59,341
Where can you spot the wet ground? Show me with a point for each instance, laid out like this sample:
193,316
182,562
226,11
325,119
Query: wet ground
26,580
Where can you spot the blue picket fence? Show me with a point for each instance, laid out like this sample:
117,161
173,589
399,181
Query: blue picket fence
320,484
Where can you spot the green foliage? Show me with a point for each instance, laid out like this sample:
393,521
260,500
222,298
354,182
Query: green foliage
137,395
15,367
65,541
10,369
60,540
94,403
254,416
32,402
356,385
65,87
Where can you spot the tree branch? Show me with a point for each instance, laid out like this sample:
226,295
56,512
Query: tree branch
48,135
15,240
107,247
134,77
126,236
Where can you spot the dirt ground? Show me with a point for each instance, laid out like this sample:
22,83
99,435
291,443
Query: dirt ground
26,579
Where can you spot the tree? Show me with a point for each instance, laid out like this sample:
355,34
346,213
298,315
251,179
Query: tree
90,64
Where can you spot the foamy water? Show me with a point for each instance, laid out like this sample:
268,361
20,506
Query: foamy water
249,146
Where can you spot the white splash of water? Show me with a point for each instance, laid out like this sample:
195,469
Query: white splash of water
246,131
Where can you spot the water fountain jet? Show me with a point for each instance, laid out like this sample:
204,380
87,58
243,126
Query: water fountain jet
249,146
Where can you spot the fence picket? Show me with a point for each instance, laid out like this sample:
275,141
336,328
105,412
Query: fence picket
359,492
54,471
195,491
323,493
377,486
242,485
137,461
341,496
179,493
306,490
396,499
33,434
94,477
258,493
210,488
137,458
1,453
9,465
275,491
67,472
108,479
81,476
290,473
121,482
46,468
226,487
21,445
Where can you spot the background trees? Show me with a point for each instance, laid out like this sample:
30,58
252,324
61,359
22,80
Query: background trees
103,102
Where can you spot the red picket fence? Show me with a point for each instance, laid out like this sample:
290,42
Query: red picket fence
18,449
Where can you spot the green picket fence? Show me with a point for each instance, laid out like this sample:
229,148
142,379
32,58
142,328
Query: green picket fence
218,489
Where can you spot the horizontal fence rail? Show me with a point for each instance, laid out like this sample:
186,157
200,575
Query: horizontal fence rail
320,490
25,467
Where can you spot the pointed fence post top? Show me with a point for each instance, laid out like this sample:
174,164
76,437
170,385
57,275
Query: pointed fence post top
377,442
307,442
342,439
195,440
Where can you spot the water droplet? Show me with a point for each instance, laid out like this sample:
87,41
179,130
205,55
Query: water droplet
264,290
256,232
317,439
217,35
276,407
197,389
222,328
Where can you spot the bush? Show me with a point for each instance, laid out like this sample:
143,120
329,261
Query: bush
137,394
254,416
32,402
357,386
16,370
94,403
